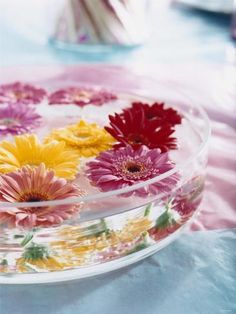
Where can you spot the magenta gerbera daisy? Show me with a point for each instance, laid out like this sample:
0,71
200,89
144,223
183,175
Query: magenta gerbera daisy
119,168
21,93
81,96
18,119
157,111
131,127
35,185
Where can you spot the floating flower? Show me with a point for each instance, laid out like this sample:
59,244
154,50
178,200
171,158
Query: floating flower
27,150
119,168
84,138
18,119
156,111
35,185
37,258
81,96
21,93
131,127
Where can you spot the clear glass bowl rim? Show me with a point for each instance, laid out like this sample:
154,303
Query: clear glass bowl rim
103,195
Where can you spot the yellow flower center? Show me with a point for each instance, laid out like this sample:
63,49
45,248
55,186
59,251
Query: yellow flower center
87,139
19,95
84,136
82,96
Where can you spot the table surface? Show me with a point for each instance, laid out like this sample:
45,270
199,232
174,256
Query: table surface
195,274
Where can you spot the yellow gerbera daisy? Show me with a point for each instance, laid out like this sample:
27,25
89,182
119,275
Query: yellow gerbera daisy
27,150
86,139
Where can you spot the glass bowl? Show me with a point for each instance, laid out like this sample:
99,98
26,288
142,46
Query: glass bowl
99,230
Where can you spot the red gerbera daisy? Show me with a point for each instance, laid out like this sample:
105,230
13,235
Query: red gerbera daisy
132,127
156,111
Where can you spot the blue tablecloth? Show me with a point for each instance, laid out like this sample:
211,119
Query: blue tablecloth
196,274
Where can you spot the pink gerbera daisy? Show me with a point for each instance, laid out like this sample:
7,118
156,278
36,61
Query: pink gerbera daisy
119,168
18,119
21,93
35,185
80,96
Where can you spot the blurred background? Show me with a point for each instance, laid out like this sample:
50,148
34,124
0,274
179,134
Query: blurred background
127,32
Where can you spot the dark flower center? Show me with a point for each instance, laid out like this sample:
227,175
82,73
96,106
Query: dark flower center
136,139
134,168
150,116
33,197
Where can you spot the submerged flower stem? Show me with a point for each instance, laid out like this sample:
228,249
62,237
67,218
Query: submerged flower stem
35,252
168,205
105,227
166,219
4,262
28,237
100,228
147,210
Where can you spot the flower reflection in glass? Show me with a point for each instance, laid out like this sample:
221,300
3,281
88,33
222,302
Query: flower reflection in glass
18,119
123,167
36,185
37,258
